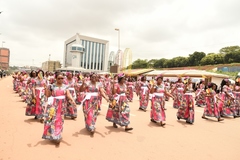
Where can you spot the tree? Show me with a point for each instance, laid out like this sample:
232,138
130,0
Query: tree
180,61
195,58
151,63
207,60
159,63
139,64
231,54
230,49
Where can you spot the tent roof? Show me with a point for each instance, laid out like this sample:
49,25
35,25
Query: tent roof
190,73
135,72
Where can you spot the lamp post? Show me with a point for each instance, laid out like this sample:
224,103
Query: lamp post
2,43
118,30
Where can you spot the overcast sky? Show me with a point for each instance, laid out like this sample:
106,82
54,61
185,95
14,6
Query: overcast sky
153,29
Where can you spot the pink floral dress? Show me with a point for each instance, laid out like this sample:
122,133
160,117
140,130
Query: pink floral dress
54,116
211,109
144,95
157,107
119,113
186,110
40,102
71,110
91,103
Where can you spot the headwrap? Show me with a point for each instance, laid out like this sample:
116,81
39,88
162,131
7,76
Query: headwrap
120,76
68,73
92,73
159,76
186,79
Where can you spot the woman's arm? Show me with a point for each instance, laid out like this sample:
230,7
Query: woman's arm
83,86
69,96
102,91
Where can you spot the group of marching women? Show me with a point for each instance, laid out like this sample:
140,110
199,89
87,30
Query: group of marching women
50,97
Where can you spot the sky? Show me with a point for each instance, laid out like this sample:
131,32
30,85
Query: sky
154,29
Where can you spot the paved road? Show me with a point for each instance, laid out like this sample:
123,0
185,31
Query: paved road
20,136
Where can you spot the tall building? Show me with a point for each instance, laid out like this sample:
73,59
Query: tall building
95,56
4,58
51,65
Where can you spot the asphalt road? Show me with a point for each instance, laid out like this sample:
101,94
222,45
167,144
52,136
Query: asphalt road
20,136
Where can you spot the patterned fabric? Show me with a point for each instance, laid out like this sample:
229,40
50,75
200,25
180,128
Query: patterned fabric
167,86
107,86
178,98
144,95
31,108
71,110
200,98
54,117
41,98
130,91
157,107
186,110
227,107
118,111
237,103
90,106
211,108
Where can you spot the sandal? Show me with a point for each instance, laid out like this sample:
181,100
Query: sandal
114,125
128,129
204,117
162,124
152,120
220,119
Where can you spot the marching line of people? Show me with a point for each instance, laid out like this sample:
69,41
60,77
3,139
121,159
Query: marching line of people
50,97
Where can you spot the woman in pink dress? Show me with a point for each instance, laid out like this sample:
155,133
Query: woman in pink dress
200,94
54,113
211,109
31,108
107,85
159,91
144,94
186,110
71,110
178,89
39,97
236,92
91,101
130,87
227,107
167,85
119,112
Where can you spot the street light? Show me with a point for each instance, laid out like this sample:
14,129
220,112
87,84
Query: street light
2,43
117,29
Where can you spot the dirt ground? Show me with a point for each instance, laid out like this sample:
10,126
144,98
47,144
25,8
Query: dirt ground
20,136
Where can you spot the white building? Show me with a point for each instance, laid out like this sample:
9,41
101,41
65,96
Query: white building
95,56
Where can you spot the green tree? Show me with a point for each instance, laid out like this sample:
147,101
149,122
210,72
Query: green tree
151,63
140,64
159,63
231,54
195,58
180,61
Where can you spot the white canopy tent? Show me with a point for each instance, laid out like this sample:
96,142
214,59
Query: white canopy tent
213,77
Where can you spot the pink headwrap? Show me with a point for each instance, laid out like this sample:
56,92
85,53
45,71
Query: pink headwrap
68,73
159,76
120,75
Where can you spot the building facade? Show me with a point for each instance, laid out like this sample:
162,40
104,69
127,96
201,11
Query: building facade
95,56
4,58
51,66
